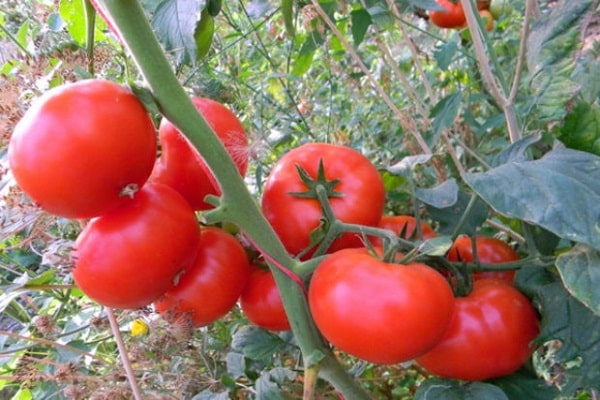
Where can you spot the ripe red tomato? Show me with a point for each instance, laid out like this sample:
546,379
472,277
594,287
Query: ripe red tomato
489,251
452,17
294,218
406,224
130,256
181,166
82,149
490,335
382,313
210,288
261,302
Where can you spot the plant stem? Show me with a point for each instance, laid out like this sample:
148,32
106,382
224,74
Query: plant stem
90,28
237,204
114,326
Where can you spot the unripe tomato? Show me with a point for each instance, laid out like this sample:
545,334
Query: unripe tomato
490,335
181,166
489,251
261,302
83,148
210,288
453,15
379,312
130,256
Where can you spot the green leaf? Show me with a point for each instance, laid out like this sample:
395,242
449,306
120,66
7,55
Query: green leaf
175,22
571,331
361,20
256,343
442,196
558,192
448,217
445,111
579,269
444,389
551,50
287,9
523,386
444,54
72,13
581,128
405,166
516,151
437,246
269,383
306,54
204,34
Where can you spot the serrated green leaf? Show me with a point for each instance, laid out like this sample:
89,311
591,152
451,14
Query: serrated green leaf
551,50
445,111
175,22
581,128
579,269
256,343
573,364
565,181
361,20
445,389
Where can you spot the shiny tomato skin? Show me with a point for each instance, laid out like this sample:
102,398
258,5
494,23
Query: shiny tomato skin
452,17
406,224
294,218
382,313
210,288
181,166
130,256
489,251
490,335
82,148
261,302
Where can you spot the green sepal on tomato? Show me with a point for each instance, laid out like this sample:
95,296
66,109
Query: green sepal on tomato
380,312
180,164
261,301
210,288
491,334
357,194
128,257
83,149
489,251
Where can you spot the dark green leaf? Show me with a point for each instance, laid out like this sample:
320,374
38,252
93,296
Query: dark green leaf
441,196
175,24
213,7
361,20
448,217
551,50
571,331
579,269
269,383
204,34
516,151
444,54
581,129
256,343
564,181
287,8
523,386
445,111
444,389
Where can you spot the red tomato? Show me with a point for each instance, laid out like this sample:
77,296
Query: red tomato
261,302
210,288
294,218
181,166
382,313
130,256
489,251
83,149
490,335
452,17
406,224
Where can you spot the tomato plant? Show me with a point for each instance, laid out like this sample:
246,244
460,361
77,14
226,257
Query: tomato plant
489,251
261,302
383,313
354,187
130,256
453,15
181,166
210,288
83,149
406,225
490,335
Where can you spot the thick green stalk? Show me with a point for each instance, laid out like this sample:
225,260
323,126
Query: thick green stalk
237,204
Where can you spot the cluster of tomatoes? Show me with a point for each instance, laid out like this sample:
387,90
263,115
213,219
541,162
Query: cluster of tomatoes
88,151
384,311
452,15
